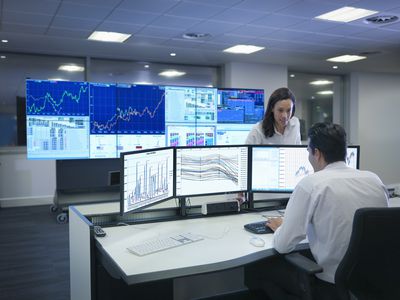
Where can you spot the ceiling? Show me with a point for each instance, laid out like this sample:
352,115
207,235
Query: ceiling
286,28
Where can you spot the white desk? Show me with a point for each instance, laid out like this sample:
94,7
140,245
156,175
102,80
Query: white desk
225,245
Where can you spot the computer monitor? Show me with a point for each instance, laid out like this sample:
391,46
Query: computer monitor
211,170
278,169
147,178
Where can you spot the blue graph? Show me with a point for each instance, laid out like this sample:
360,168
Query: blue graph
103,105
141,109
57,98
127,109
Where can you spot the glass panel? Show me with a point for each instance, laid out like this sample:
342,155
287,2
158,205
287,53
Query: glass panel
318,98
111,71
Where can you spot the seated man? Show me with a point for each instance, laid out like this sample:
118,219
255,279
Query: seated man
321,208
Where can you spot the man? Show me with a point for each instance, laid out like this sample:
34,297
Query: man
322,208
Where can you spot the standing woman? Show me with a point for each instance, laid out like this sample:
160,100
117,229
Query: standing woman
279,125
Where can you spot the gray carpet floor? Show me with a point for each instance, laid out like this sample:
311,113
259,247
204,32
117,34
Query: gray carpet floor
34,255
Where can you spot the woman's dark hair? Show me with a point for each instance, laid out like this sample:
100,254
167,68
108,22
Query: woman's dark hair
330,140
278,95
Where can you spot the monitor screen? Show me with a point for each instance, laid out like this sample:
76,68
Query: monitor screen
211,170
278,169
240,106
147,178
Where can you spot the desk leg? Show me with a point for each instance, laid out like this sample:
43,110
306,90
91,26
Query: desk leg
109,288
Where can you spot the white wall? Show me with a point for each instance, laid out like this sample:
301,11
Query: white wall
261,76
25,182
373,119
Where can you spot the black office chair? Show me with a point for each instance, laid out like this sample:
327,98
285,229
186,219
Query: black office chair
370,269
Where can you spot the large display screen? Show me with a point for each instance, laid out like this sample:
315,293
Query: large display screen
279,168
147,178
211,170
80,120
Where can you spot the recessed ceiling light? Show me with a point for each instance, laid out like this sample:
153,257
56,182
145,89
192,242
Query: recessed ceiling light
346,14
172,54
171,73
346,58
195,35
292,75
243,49
3,56
146,66
334,67
4,41
321,82
57,79
71,68
325,93
106,36
143,83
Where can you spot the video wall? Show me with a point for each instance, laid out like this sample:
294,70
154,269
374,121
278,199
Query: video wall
81,120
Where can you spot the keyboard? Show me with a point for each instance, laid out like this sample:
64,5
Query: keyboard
163,243
258,227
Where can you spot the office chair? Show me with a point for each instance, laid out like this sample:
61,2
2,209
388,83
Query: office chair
370,268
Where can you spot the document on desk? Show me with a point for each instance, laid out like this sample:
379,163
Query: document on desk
163,243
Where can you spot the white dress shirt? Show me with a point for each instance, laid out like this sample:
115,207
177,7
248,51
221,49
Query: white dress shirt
291,135
322,208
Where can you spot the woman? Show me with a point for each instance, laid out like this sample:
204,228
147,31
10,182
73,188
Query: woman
279,125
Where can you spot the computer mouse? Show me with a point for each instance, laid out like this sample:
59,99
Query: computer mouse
257,241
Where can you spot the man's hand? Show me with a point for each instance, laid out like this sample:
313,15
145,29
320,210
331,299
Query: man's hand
274,223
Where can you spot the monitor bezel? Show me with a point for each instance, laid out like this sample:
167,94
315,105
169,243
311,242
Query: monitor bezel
216,193
122,174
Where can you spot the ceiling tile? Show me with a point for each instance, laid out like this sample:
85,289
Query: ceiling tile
230,39
265,6
308,9
238,16
82,11
26,18
18,28
252,31
214,27
376,5
46,7
131,17
225,3
194,10
119,27
175,22
162,32
105,3
313,25
274,20
67,22
146,40
344,29
70,33
154,6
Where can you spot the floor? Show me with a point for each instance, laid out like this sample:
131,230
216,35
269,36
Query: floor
34,254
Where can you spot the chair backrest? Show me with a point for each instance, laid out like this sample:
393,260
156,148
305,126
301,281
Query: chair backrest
370,268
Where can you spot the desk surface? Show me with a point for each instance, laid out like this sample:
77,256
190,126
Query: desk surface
225,245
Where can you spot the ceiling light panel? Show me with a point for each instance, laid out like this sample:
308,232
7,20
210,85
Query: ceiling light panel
321,82
107,36
171,73
346,58
346,14
243,49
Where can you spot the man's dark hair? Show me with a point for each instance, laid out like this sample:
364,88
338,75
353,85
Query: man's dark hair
278,95
330,140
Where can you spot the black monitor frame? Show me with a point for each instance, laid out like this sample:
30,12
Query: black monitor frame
122,178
